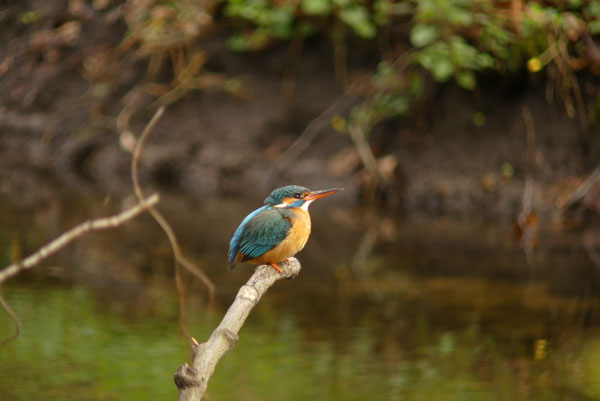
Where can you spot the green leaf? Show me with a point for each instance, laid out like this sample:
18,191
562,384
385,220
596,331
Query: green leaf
316,7
281,22
594,9
358,18
594,27
484,60
479,119
416,85
466,79
460,16
436,58
29,17
342,3
422,35
443,69
238,43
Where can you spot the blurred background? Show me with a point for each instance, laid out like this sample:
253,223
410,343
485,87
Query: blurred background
462,261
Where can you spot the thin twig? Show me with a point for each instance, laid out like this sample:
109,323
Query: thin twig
322,121
584,188
178,257
357,134
590,249
309,134
564,65
192,381
527,220
365,247
13,317
530,163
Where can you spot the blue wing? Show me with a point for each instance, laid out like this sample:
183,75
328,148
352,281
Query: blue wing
234,244
259,232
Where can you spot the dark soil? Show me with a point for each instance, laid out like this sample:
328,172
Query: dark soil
54,133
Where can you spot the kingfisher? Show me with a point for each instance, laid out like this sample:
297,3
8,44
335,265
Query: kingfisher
276,231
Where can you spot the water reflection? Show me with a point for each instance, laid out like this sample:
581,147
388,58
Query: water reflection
438,314
73,347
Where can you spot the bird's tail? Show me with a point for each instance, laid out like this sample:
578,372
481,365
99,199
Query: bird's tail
233,259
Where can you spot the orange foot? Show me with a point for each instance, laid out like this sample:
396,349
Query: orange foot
276,268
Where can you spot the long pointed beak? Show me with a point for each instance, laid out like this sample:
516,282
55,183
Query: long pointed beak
322,193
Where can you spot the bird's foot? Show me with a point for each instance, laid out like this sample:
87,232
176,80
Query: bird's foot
276,268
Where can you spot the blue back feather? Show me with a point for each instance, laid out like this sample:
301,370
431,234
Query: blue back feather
234,244
260,232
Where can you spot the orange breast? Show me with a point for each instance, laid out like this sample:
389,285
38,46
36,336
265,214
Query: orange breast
293,243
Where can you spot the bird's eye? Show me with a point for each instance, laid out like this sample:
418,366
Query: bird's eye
298,196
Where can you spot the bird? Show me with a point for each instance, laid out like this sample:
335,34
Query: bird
276,231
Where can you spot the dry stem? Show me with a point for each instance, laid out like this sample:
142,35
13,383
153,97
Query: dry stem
178,257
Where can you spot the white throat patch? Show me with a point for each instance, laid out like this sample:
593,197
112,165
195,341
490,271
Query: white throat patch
306,205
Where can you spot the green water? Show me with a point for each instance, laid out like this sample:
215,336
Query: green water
429,316
73,348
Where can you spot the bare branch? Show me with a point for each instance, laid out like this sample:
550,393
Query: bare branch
310,133
527,205
358,136
193,380
13,317
62,241
74,233
342,104
583,189
527,219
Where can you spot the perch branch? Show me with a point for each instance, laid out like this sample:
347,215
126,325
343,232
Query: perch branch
74,233
193,380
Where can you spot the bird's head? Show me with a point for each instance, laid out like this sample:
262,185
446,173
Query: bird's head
296,196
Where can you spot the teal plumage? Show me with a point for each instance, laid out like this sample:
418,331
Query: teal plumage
267,229
290,191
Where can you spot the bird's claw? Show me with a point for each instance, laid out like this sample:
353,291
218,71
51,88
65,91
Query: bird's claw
276,268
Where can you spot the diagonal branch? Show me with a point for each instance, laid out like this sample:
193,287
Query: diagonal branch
583,189
193,380
74,233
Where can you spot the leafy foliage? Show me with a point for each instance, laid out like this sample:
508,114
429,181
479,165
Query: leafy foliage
283,19
446,40
450,39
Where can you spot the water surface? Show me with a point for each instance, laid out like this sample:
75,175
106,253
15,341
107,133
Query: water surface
435,310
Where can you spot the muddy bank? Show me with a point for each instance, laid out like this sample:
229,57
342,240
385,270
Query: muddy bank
464,154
